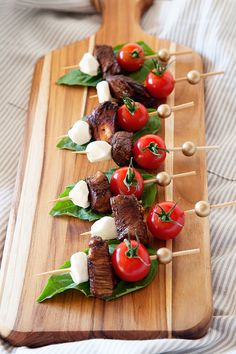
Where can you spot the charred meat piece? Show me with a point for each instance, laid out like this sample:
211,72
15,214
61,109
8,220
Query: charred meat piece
122,148
101,276
107,60
128,216
99,192
102,121
121,85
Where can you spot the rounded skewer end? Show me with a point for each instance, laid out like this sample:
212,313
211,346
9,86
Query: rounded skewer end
164,111
193,77
202,208
164,255
189,148
163,55
163,179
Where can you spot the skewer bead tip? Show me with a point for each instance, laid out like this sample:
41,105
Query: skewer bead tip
202,208
189,148
163,55
193,77
164,111
164,255
163,179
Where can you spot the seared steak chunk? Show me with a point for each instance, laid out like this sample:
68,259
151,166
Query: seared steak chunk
102,121
121,85
122,148
99,192
101,276
128,216
107,60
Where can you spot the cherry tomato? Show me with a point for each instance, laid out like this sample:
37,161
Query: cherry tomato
131,57
160,85
127,180
149,151
132,116
131,261
165,220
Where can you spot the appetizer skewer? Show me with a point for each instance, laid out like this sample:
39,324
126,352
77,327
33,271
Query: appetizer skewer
149,151
126,180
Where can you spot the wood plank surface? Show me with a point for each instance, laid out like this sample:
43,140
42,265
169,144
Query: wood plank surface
178,303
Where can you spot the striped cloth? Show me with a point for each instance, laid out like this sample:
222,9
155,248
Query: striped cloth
31,28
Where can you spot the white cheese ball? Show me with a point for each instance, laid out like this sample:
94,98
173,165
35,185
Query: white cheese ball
79,267
80,132
98,151
89,65
105,228
103,92
80,194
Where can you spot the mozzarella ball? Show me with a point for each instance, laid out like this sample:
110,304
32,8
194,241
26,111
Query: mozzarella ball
105,228
103,91
89,65
80,194
98,151
80,132
79,267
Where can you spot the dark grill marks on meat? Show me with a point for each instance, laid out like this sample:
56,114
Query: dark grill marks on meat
101,276
121,85
102,121
107,60
99,192
122,148
128,216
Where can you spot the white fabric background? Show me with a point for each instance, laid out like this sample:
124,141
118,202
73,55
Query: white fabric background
31,28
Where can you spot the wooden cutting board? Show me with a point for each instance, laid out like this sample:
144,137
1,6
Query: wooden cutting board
178,303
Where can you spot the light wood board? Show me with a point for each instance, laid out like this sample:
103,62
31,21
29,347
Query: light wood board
178,303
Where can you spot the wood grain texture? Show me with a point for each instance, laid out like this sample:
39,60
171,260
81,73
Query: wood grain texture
179,301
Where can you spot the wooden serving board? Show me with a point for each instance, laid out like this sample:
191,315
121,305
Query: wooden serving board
178,303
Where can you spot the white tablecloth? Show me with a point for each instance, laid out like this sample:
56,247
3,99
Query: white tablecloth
31,28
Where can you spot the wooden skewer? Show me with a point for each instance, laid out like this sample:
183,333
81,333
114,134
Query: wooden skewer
203,208
62,136
164,110
181,52
162,258
176,254
71,66
87,233
166,177
56,271
209,147
63,199
194,76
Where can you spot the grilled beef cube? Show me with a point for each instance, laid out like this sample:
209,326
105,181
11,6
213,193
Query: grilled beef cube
102,121
107,60
101,276
122,148
99,192
128,215
121,85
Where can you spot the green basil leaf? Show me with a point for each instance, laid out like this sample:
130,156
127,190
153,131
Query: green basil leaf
110,172
67,144
152,127
112,244
76,77
68,208
60,283
149,195
141,74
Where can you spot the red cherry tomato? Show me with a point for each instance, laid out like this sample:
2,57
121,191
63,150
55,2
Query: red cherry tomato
160,86
127,180
129,268
131,57
165,220
149,151
132,116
